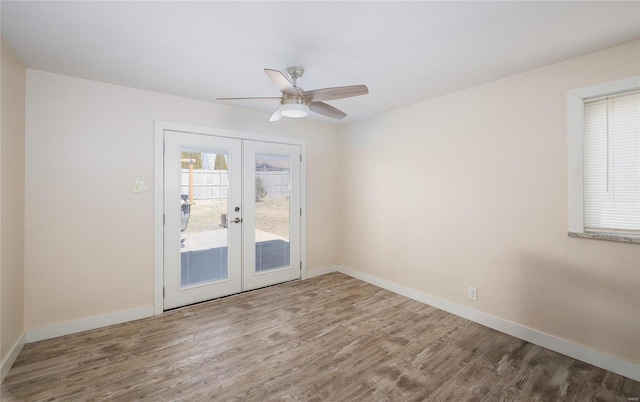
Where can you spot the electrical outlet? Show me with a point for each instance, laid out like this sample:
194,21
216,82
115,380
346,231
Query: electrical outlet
473,293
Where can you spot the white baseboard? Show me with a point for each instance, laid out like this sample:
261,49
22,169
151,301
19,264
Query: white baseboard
312,273
568,348
12,356
85,324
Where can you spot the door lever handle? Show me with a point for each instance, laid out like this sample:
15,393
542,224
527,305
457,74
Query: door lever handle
236,220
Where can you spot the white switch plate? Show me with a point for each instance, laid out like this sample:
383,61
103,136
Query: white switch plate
139,185
473,293
142,183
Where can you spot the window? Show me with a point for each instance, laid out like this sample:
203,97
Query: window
604,161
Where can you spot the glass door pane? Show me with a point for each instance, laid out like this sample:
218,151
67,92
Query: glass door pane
204,211
272,211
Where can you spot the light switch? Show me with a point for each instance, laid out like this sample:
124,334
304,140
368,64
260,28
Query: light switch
139,185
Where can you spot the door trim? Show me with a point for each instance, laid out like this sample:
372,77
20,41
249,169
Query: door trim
158,193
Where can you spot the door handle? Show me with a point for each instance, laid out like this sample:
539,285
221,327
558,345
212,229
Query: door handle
237,220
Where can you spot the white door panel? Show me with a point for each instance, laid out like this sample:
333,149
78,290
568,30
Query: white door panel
202,256
271,233
232,216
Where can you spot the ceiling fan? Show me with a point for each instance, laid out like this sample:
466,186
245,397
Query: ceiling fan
296,102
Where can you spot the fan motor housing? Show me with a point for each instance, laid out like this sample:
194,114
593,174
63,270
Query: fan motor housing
292,99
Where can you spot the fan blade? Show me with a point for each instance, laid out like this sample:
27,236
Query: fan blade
284,85
321,95
327,110
276,115
257,98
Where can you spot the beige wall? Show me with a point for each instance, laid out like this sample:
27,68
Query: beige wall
470,189
11,200
89,239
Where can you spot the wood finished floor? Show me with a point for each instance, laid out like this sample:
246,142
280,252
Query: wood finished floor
331,338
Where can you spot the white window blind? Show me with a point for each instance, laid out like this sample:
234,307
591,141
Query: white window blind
611,146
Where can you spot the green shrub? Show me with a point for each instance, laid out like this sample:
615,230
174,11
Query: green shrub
261,192
220,163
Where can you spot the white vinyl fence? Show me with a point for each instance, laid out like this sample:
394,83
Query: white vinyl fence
213,184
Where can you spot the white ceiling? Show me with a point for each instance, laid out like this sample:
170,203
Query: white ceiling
404,52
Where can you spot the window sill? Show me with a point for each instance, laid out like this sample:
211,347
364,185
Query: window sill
624,238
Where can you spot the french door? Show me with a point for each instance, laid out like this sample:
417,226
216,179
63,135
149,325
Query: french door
231,216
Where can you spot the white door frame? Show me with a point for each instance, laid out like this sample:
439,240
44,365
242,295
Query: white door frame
158,192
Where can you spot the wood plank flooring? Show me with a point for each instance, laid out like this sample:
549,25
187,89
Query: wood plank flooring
331,338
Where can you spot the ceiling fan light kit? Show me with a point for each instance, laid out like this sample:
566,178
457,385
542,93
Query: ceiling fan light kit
296,102
295,110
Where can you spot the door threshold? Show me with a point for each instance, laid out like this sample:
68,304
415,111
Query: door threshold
229,296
